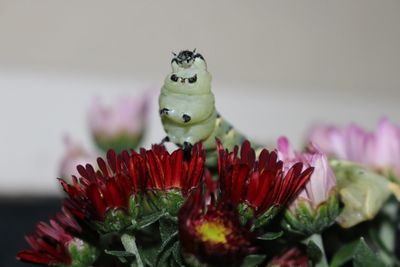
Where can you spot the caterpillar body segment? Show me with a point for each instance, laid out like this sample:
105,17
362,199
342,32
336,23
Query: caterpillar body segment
187,107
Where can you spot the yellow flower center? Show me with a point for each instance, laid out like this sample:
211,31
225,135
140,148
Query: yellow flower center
213,231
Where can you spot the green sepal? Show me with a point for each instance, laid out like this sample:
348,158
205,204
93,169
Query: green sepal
247,213
306,220
270,236
253,260
173,201
123,141
82,254
115,221
265,218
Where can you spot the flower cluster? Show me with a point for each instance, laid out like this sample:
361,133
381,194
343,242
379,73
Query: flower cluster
379,149
153,207
218,220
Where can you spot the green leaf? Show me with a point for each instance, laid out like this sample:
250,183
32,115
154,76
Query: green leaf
119,253
176,252
270,236
314,252
149,219
167,226
129,244
165,250
148,254
365,257
253,260
344,254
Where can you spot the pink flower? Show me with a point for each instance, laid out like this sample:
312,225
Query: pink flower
120,125
379,149
316,207
322,181
74,155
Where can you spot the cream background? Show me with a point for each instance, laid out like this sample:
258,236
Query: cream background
277,67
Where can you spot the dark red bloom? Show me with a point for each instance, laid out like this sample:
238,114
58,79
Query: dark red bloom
49,245
212,231
259,183
293,257
129,174
210,223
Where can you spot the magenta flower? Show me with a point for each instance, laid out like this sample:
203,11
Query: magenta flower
120,125
379,149
318,196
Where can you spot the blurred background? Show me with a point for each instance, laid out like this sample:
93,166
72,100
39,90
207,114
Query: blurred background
277,66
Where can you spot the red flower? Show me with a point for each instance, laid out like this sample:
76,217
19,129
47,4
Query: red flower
211,228
259,183
50,243
128,175
212,231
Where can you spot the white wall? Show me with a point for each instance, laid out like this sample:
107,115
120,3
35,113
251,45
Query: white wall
277,66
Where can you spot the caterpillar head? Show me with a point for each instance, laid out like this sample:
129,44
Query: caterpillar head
189,74
188,59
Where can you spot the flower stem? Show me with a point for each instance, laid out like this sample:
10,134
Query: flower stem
129,243
317,240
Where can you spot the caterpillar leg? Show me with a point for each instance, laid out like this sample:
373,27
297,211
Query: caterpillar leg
187,150
165,140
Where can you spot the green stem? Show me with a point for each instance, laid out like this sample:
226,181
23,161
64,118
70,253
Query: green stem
129,243
317,239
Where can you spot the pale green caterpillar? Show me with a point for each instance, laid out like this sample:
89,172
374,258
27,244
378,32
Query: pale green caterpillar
187,107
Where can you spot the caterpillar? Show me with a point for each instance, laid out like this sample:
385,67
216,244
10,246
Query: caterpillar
187,107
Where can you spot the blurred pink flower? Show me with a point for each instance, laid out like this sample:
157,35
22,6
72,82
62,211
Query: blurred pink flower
120,125
379,149
322,181
74,155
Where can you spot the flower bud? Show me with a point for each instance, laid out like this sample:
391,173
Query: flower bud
316,206
119,126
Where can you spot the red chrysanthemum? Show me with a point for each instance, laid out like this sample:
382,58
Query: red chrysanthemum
211,228
50,243
260,183
129,175
212,233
